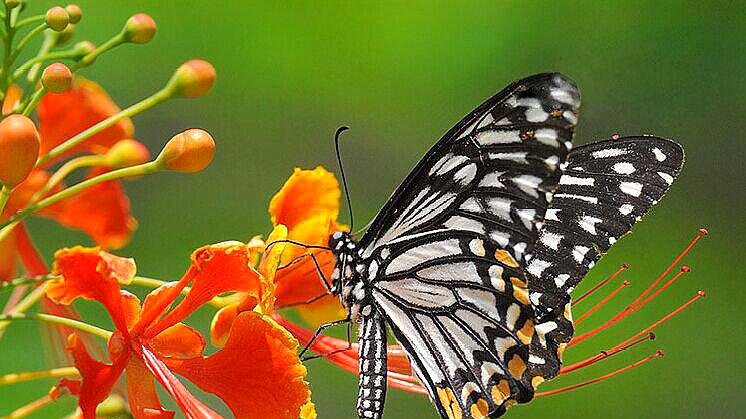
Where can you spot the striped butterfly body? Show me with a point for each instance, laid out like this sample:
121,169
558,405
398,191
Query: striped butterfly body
471,261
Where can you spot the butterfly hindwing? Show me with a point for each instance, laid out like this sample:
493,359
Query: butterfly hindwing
445,252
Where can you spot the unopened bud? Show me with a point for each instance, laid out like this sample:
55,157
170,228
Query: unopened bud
75,13
126,153
19,142
56,78
189,151
12,4
193,78
139,29
57,18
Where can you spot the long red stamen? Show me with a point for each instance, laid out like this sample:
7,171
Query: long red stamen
601,378
627,311
604,355
663,319
602,302
701,233
601,284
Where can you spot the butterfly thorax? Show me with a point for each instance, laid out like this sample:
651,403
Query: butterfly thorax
348,281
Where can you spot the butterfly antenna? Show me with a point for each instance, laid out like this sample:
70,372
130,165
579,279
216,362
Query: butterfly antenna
340,130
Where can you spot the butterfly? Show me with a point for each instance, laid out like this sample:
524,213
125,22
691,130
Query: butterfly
472,260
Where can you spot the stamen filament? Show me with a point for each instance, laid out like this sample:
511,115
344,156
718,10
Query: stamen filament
604,354
26,281
601,378
4,195
65,170
701,233
602,302
33,375
635,308
601,284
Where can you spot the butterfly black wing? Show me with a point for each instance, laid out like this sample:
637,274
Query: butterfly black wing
445,252
607,186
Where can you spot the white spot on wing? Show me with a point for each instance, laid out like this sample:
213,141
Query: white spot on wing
631,188
573,180
624,168
666,177
588,223
609,152
659,155
498,137
416,255
626,209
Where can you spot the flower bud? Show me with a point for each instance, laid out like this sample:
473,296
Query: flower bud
139,29
126,153
57,18
19,142
12,4
193,78
189,151
84,48
56,78
65,35
73,10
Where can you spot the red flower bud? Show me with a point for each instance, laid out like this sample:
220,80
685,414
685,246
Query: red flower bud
193,78
189,151
139,29
126,153
57,18
56,78
19,142
73,10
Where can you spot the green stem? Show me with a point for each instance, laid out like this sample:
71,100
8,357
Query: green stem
33,375
145,104
25,40
50,39
138,170
65,170
49,318
35,98
117,40
4,195
26,281
60,55
30,20
26,303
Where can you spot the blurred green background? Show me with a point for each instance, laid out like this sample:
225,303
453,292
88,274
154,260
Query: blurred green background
400,76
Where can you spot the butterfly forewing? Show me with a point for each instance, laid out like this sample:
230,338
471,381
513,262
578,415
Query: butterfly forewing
445,252
607,187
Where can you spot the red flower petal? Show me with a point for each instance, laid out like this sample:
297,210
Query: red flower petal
63,115
7,258
190,406
215,269
142,397
257,374
92,274
102,211
98,378
178,340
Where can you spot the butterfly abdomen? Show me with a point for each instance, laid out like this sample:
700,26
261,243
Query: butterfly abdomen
372,363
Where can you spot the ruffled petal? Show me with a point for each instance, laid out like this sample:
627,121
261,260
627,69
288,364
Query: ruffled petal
12,99
142,396
215,269
269,264
97,378
92,274
101,211
63,115
257,374
306,194
178,340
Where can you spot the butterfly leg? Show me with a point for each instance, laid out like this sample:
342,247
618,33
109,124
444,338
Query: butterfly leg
321,330
336,351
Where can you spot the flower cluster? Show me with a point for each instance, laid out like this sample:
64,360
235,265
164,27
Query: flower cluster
55,122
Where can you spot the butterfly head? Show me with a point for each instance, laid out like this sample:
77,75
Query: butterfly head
346,254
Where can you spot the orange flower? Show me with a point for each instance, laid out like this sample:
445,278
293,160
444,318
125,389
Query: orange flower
150,342
103,211
308,204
